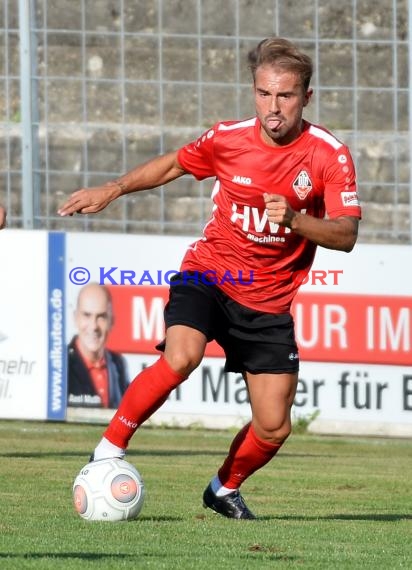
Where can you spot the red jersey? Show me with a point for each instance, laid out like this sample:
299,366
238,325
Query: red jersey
258,263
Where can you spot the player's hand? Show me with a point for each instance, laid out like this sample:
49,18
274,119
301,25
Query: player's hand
3,215
89,200
278,210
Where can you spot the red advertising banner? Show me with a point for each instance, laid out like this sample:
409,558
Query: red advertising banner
372,329
330,327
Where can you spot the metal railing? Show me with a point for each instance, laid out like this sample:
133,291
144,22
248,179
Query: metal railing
88,90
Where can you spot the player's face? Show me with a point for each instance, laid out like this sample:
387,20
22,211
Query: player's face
280,98
93,320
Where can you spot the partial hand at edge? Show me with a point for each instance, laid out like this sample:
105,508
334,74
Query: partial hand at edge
3,215
89,200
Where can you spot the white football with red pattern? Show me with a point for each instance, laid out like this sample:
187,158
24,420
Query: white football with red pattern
108,490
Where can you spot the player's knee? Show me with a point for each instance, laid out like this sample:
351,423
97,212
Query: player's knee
273,431
280,435
183,361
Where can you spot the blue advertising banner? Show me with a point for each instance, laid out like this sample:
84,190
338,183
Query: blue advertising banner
57,351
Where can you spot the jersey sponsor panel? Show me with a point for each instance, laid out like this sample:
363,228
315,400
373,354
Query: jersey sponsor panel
349,199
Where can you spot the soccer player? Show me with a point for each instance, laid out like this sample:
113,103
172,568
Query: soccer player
276,176
97,376
3,215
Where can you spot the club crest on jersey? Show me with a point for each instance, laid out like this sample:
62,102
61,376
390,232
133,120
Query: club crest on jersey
302,184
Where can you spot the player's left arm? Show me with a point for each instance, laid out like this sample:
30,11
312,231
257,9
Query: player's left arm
338,233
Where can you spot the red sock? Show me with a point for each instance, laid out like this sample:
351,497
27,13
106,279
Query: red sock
144,395
247,454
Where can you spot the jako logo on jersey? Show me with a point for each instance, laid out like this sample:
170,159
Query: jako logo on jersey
302,184
349,199
242,180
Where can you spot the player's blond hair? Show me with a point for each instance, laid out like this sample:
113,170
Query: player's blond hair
278,52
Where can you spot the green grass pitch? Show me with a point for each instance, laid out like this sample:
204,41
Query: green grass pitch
323,503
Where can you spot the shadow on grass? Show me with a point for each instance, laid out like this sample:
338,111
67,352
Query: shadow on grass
376,517
162,518
118,558
342,517
151,452
71,556
154,453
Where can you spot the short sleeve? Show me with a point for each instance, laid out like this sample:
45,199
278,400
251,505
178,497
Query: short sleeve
197,157
341,198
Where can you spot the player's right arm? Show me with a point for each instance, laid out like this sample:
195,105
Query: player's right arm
151,174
